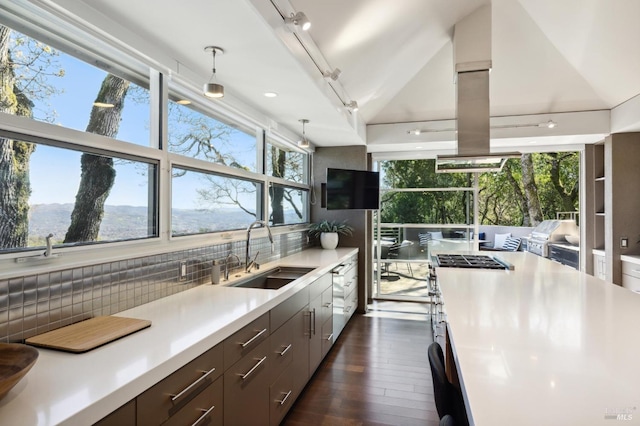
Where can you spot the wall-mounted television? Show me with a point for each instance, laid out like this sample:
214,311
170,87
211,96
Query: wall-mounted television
352,189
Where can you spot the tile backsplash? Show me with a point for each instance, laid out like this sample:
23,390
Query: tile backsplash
34,304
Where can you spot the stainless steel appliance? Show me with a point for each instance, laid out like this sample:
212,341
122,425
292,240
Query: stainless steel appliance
549,231
470,261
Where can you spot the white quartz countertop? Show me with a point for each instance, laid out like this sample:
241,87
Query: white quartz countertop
543,344
79,389
630,258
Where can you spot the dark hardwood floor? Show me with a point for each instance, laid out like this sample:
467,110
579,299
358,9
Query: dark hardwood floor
377,373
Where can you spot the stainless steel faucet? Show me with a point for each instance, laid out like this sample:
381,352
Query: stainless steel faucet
249,263
226,264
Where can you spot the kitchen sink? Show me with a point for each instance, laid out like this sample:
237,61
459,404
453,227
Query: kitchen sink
273,279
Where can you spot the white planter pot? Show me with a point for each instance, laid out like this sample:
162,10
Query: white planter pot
329,240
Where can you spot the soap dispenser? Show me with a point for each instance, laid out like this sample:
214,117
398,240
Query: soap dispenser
215,272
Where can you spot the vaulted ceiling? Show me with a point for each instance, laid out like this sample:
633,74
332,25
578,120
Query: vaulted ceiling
576,62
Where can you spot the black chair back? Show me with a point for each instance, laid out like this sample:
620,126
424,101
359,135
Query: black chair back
449,402
442,389
447,420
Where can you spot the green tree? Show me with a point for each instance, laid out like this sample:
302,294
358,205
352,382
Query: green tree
527,191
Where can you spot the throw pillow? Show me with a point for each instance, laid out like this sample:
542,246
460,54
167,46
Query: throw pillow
499,240
436,235
511,244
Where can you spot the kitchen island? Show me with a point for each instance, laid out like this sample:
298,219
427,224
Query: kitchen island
543,344
80,389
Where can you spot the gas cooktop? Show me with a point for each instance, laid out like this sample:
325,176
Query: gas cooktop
470,261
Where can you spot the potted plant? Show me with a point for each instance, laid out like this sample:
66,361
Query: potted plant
329,232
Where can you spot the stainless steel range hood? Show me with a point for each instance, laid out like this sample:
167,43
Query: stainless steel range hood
472,52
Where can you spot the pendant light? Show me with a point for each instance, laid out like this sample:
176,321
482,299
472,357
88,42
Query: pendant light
304,142
211,89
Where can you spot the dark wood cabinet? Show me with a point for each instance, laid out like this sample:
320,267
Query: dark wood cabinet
240,343
123,416
253,376
207,408
246,388
300,363
169,396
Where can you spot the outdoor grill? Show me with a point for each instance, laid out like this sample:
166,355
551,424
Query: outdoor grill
549,231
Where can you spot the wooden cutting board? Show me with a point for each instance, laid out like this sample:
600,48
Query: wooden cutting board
89,334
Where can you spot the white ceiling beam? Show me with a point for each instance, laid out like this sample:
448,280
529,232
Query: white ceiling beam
626,116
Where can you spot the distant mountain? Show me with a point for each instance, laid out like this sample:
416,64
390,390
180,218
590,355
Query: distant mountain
123,222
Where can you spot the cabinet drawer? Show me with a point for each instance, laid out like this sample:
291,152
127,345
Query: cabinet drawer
631,282
327,336
631,269
287,309
281,397
350,284
168,396
326,310
243,341
318,286
204,409
246,388
281,349
350,304
123,416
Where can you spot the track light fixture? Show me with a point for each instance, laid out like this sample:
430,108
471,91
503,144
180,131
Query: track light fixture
332,75
212,89
304,142
547,124
352,106
299,20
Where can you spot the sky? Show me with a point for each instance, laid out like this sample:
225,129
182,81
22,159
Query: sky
55,172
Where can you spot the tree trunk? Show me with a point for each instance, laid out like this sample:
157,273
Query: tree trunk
97,172
567,198
531,190
277,192
521,199
15,187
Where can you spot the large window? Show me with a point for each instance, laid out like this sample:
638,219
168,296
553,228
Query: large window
95,177
288,205
206,202
197,135
77,197
283,162
48,85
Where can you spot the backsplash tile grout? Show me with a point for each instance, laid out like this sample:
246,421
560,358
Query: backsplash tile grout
34,304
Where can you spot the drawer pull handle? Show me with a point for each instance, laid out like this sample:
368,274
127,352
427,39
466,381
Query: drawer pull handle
248,342
328,304
330,337
348,284
283,400
204,415
285,350
347,309
248,373
314,321
176,397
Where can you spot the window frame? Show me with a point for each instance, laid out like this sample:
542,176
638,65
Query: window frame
68,33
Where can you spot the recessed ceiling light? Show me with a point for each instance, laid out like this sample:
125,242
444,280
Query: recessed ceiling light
183,101
270,94
103,105
418,147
